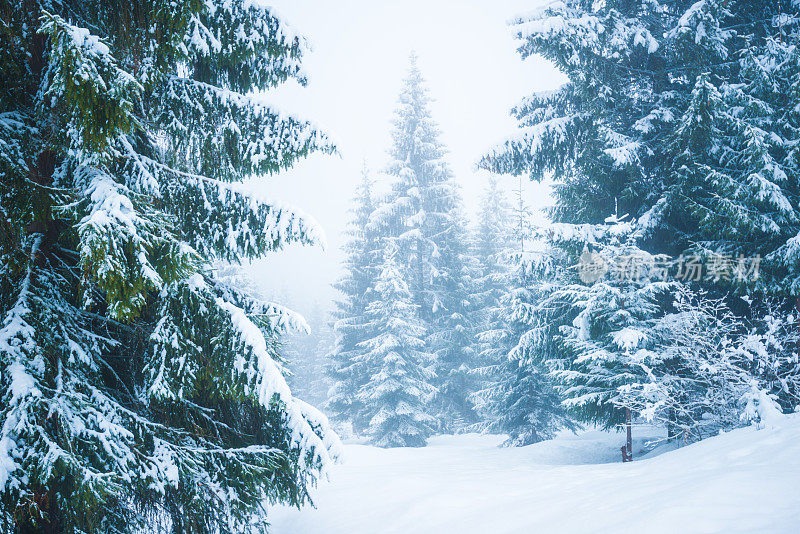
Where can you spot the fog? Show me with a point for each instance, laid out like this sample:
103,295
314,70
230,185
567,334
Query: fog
359,56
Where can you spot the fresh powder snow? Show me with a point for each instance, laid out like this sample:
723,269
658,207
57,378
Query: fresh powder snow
742,481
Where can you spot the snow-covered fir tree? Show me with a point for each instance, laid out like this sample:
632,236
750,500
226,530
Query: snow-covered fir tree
307,356
491,246
776,81
424,213
363,260
726,175
517,396
304,348
669,112
677,113
396,395
601,304
707,369
138,392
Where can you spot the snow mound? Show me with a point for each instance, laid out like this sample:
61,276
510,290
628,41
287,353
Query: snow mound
741,482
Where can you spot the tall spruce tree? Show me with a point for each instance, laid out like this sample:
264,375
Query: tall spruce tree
491,247
517,396
364,256
677,113
306,353
398,388
493,242
775,75
424,213
138,391
608,311
669,112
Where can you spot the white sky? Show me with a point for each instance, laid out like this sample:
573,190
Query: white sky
359,57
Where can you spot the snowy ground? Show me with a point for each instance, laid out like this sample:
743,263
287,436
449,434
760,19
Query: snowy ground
744,481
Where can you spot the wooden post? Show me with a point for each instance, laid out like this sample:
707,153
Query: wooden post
627,449
628,439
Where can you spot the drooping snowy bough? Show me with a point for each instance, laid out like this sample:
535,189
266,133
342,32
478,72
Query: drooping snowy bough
684,116
137,392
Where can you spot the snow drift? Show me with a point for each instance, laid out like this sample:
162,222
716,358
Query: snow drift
742,481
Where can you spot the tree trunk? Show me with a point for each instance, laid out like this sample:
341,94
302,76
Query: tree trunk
627,449
628,439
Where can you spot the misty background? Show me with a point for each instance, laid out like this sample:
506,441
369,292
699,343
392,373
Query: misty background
360,53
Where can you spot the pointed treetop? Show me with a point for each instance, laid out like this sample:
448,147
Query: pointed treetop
414,82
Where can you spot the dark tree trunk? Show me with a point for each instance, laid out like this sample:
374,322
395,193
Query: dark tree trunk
628,439
627,449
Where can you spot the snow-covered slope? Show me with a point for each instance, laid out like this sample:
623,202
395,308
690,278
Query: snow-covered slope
745,481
